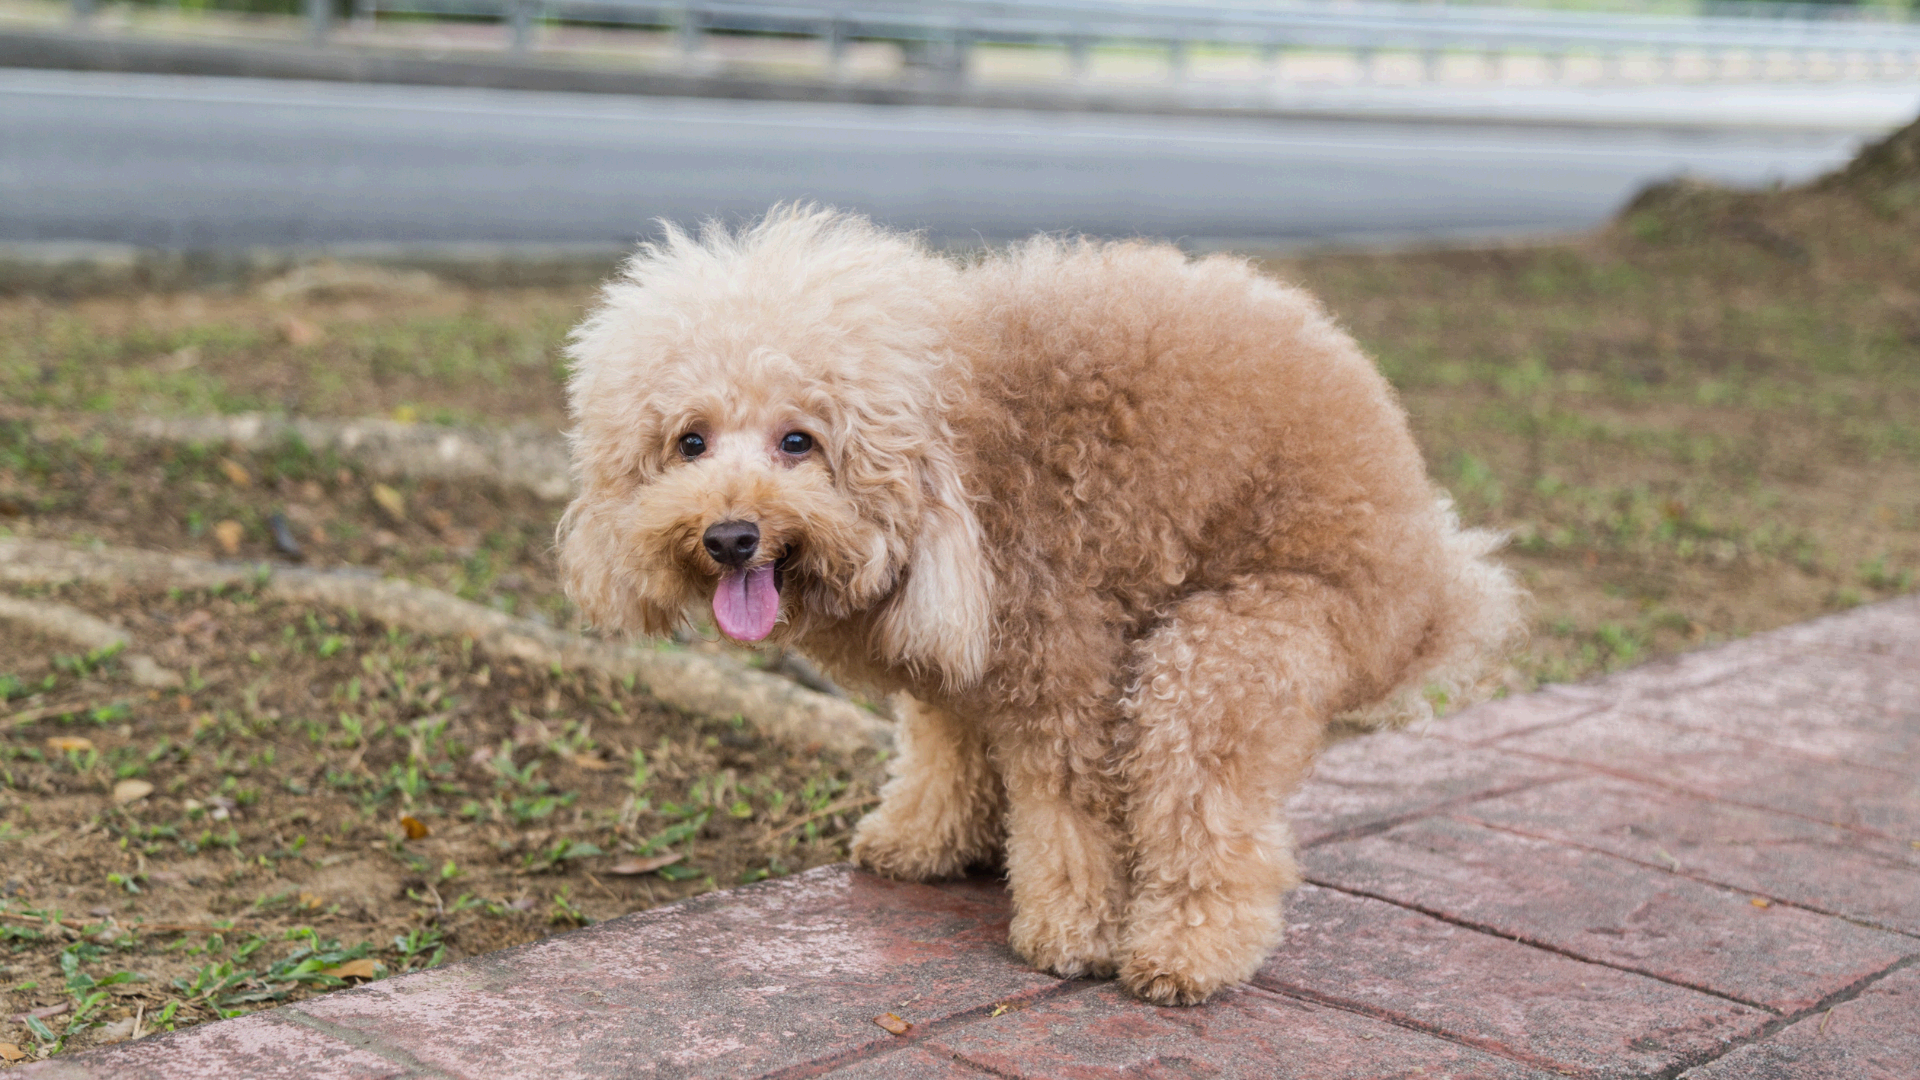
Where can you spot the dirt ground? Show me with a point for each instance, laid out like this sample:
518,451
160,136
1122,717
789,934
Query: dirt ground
1701,422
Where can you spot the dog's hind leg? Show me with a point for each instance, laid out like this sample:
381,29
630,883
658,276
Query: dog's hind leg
1229,709
941,812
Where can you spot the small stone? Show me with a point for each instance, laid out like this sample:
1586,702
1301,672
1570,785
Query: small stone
228,535
128,791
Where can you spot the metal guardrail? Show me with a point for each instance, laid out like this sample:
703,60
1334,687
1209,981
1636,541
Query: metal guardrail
941,33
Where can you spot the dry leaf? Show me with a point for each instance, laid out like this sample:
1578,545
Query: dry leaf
893,1023
591,763
416,829
127,791
390,501
236,472
10,1052
228,534
644,866
1760,901
63,743
312,902
299,332
354,969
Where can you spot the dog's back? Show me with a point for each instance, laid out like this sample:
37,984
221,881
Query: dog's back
1144,427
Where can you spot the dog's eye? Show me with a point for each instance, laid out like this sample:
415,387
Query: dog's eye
797,443
692,445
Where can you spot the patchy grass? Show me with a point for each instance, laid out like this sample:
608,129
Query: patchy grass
1696,425
330,800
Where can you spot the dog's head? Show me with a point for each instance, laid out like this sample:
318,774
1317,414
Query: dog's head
760,432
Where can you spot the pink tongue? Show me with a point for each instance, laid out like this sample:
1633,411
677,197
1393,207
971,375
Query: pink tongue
747,604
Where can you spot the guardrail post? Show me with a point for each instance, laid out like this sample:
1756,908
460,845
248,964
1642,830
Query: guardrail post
520,25
687,31
836,36
319,19
82,12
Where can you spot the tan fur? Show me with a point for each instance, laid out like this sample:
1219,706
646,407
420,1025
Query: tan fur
1126,530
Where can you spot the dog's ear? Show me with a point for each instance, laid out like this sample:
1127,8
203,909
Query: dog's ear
597,569
941,614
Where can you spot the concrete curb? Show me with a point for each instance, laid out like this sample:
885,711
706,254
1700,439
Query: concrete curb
80,268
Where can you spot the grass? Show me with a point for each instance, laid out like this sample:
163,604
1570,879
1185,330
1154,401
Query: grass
1696,424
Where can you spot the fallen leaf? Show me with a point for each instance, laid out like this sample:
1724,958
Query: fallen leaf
127,791
405,414
645,866
10,1052
299,332
416,829
591,763
228,534
893,1023
236,472
1760,901
64,743
118,1031
390,501
355,969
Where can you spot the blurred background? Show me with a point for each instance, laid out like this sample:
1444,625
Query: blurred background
284,288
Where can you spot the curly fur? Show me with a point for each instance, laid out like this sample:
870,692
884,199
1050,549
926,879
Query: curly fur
1124,530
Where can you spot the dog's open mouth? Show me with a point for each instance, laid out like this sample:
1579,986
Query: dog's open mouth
746,603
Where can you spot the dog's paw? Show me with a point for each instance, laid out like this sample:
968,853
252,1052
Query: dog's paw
1070,947
1151,984
882,846
1185,962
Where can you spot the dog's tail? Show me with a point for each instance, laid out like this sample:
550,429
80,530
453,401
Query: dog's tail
1479,622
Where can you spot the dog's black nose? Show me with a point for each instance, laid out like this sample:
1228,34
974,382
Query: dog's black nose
732,543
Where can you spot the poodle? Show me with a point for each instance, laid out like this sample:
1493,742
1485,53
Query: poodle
1119,530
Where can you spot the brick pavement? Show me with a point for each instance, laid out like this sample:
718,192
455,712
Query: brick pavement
1706,867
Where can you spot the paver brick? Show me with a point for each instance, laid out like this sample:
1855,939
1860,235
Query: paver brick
264,1046
1876,1036
1245,1034
1609,910
909,1064
1864,710
1737,769
1889,629
1489,720
731,984
1774,855
1495,993
1370,781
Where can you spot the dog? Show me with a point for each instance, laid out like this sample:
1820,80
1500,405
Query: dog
1120,531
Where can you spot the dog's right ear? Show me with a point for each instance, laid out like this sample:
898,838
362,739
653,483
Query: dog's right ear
597,568
942,614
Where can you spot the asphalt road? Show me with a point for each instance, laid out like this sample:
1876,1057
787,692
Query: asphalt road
181,162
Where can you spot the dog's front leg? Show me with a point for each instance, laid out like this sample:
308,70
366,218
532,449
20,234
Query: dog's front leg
941,812
1066,859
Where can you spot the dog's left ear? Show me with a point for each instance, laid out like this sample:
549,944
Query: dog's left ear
941,614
